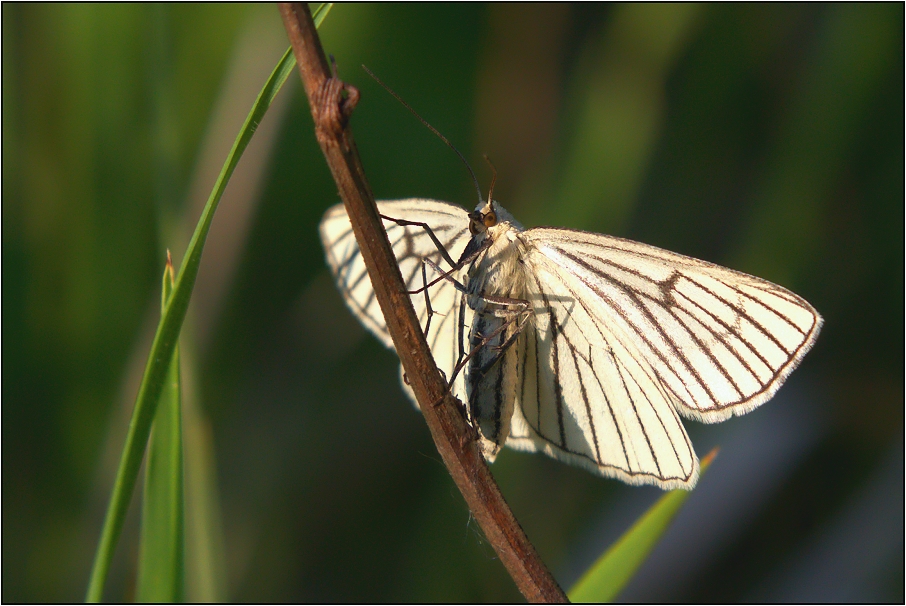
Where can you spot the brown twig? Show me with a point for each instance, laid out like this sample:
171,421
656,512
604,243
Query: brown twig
454,437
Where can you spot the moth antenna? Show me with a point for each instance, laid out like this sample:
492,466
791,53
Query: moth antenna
493,178
431,128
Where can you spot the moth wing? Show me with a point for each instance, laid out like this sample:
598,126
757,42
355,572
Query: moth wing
411,245
585,396
721,341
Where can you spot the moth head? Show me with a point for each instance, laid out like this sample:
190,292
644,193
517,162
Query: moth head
483,217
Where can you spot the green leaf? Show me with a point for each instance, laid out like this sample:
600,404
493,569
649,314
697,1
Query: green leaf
607,577
164,345
161,563
320,13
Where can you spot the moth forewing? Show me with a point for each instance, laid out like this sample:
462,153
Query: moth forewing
722,340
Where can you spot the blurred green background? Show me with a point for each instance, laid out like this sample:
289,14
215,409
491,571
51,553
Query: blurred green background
764,137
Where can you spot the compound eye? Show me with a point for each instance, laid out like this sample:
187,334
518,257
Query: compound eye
472,228
490,219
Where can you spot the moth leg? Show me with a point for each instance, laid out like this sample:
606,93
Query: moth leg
444,254
444,275
428,308
468,257
516,311
440,247
425,285
522,317
448,275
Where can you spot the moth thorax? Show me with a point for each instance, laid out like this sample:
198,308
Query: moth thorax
499,272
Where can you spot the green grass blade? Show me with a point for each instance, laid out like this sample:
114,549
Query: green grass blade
206,578
607,577
161,563
164,344
320,13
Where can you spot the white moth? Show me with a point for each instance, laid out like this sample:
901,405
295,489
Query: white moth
586,347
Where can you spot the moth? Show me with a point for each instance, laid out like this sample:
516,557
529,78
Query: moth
586,347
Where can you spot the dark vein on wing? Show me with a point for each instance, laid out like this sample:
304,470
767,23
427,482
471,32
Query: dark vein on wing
655,381
639,418
701,345
731,330
521,373
743,314
558,389
498,400
770,310
653,378
591,421
538,377
643,337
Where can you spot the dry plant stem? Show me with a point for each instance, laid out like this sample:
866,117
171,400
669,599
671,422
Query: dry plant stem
454,437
